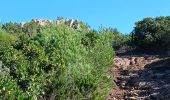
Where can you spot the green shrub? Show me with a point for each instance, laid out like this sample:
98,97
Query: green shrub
12,27
120,40
9,89
6,39
152,33
90,39
57,62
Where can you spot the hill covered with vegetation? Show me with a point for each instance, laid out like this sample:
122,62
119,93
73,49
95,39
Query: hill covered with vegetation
58,61
66,59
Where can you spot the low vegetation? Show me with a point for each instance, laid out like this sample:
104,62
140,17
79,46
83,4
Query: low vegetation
62,62
152,33
55,62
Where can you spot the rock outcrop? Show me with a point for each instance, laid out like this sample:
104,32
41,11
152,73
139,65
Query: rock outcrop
75,24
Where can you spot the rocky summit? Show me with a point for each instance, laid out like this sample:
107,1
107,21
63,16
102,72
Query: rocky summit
73,23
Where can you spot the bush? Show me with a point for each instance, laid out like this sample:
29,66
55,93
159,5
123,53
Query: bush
120,40
57,62
12,27
152,33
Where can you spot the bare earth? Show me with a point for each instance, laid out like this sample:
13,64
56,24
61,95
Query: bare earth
142,77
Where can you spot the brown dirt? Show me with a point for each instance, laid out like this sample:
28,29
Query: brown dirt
144,77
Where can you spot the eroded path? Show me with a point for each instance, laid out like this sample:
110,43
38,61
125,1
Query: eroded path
145,77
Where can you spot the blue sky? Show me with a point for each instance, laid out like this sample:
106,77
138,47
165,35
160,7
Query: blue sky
120,14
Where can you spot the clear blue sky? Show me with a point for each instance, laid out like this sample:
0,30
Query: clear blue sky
120,14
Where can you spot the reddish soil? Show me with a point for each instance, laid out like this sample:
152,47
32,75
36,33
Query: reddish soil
144,77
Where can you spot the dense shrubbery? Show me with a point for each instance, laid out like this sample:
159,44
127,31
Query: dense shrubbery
152,33
56,62
62,62
12,27
120,40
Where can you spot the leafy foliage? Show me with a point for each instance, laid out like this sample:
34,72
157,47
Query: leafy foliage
12,27
152,32
56,62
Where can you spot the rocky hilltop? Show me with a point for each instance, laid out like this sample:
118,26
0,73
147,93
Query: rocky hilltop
73,23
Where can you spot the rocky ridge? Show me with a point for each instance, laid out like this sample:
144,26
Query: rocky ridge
44,22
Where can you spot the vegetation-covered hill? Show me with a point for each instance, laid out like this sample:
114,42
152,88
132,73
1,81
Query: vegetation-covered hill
54,61
66,59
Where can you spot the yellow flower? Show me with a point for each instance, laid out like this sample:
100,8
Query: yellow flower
3,88
9,92
33,78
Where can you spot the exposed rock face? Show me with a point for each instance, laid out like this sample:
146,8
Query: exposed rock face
70,22
43,22
141,78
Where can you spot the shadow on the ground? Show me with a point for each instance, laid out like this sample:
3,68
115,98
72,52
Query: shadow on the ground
153,82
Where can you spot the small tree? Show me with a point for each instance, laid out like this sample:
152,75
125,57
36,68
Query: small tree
152,33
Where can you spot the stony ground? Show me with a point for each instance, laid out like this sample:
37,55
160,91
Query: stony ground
144,77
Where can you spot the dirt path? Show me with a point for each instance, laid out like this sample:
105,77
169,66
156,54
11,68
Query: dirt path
141,78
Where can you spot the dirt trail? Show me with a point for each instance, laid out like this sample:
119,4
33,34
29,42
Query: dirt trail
145,77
